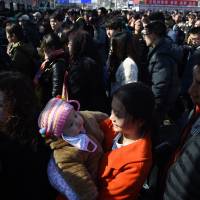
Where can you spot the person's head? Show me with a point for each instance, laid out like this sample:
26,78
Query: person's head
60,117
134,18
14,33
18,107
50,43
102,11
56,20
114,25
169,22
194,89
129,15
194,36
123,45
87,15
67,29
81,44
44,27
138,26
191,19
145,20
177,17
132,109
157,16
197,23
37,16
23,20
73,15
93,18
153,32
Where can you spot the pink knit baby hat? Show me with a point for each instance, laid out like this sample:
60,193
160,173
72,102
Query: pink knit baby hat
53,117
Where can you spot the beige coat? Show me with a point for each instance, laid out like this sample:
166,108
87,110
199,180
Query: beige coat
79,168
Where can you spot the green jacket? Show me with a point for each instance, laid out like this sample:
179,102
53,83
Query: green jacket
23,58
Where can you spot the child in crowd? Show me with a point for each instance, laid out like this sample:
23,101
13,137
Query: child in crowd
75,138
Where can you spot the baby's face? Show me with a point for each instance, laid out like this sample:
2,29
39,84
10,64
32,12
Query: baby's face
74,124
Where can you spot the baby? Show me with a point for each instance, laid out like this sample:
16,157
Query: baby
75,138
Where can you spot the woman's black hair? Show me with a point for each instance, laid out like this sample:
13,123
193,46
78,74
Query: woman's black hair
157,16
123,45
157,27
82,46
22,102
51,41
115,23
46,25
138,100
58,16
15,29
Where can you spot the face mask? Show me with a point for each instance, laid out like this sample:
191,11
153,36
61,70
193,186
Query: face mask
81,141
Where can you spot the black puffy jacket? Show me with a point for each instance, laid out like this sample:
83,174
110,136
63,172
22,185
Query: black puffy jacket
52,79
163,75
184,175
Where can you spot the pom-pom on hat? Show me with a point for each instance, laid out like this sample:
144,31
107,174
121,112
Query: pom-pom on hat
53,117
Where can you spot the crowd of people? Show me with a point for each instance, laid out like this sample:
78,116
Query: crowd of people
100,104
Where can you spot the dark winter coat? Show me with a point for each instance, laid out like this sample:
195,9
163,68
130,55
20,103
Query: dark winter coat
23,171
85,84
23,58
5,61
193,59
184,175
52,78
163,75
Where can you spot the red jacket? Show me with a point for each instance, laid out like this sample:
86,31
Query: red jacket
123,171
